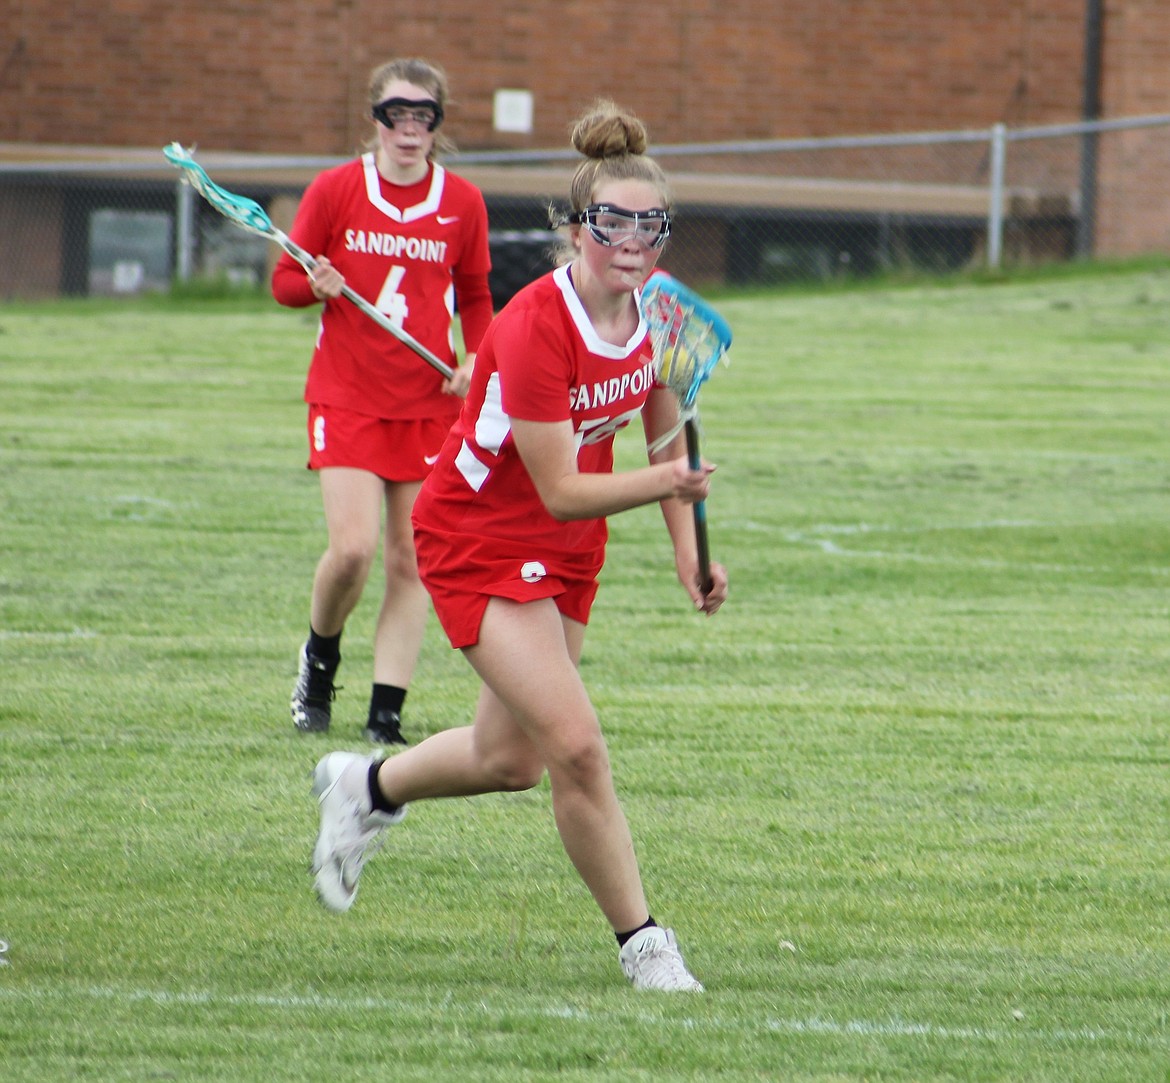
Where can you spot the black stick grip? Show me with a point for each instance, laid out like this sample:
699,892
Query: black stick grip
706,583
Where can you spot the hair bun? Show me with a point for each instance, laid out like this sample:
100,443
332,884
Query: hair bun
607,131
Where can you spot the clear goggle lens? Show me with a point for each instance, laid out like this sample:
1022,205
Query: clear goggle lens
612,225
394,111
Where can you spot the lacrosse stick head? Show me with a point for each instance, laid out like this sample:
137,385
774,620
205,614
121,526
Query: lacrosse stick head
240,209
688,336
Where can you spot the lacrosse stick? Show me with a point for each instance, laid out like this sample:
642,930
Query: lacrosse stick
689,339
248,214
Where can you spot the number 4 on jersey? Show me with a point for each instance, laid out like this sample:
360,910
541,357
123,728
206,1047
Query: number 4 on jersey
390,300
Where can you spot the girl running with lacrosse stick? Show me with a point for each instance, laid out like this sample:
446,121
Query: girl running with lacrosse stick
511,531
411,238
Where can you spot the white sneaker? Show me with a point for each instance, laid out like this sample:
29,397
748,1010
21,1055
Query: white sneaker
651,960
348,826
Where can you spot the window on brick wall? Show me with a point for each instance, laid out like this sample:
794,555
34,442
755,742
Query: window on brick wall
129,251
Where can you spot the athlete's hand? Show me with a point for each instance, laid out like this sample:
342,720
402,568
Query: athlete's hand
325,279
688,574
690,486
718,594
461,379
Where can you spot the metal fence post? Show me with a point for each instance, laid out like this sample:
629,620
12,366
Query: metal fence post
184,231
995,197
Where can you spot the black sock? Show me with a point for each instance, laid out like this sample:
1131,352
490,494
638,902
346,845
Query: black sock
327,648
386,697
377,797
649,923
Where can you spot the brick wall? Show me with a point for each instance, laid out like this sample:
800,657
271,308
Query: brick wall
290,78
1134,212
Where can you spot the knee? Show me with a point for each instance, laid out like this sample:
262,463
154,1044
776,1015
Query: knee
351,560
517,773
510,769
401,562
584,764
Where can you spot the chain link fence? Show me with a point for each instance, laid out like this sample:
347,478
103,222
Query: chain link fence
117,223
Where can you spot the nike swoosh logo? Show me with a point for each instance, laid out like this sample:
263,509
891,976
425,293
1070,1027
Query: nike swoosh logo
446,221
430,460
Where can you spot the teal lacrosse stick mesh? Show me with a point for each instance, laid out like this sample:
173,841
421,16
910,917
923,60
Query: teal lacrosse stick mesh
240,209
689,339
249,215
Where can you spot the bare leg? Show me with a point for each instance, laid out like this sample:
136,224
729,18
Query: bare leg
353,508
492,756
402,619
535,711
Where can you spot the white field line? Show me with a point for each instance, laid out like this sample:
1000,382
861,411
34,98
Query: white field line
815,1026
48,637
823,538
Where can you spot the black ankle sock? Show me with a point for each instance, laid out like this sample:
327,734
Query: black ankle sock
377,797
386,697
649,923
327,648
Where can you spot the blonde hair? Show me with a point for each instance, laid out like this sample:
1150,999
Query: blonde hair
419,72
614,143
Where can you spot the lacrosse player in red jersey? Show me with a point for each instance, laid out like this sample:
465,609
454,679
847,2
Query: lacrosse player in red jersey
510,530
411,238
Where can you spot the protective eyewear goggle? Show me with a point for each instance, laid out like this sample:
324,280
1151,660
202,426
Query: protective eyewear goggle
426,113
612,225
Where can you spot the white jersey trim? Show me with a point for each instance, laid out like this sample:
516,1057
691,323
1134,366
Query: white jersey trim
491,430
593,341
410,214
473,471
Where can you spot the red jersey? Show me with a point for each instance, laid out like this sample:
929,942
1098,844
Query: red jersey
540,360
403,249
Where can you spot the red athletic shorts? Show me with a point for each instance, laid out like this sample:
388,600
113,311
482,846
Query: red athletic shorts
463,573
394,450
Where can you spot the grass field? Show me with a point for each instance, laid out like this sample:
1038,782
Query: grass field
906,799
